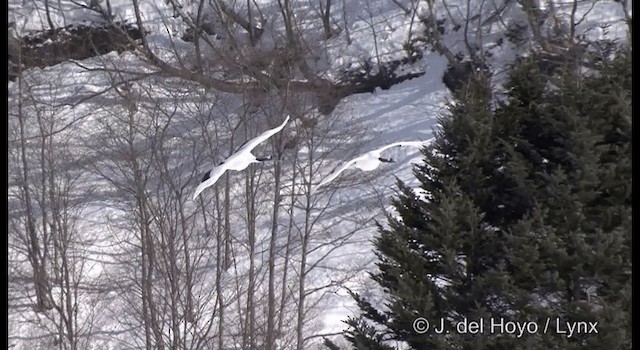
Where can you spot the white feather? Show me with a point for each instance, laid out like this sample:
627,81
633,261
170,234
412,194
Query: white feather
238,161
370,160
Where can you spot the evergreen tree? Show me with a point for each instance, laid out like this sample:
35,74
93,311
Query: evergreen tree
574,263
527,218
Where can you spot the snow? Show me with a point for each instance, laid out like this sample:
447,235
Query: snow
342,230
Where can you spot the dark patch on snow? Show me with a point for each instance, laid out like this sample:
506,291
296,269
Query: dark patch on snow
458,74
206,28
366,78
76,41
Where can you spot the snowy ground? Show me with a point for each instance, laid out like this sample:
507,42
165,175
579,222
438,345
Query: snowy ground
407,111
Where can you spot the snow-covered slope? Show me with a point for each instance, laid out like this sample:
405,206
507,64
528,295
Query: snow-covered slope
101,134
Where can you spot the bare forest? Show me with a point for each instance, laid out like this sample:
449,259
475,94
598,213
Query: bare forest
118,107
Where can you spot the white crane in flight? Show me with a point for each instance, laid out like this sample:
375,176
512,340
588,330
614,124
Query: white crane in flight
370,160
238,161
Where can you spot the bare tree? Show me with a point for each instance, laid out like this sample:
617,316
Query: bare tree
345,22
250,262
139,158
325,14
47,198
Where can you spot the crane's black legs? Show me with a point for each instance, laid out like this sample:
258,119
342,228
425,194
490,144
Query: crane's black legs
262,159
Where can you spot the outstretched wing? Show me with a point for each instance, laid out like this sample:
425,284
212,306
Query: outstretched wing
336,173
213,176
251,144
416,144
